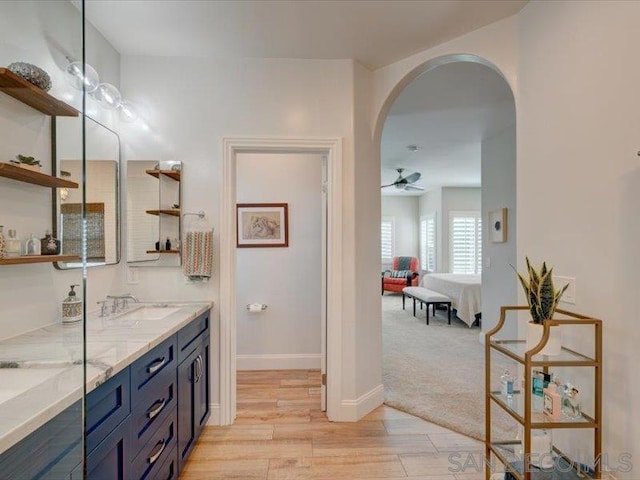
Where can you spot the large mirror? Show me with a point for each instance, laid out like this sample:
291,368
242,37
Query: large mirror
153,212
102,192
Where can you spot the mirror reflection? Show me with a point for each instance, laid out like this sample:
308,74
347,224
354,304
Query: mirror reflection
101,192
153,212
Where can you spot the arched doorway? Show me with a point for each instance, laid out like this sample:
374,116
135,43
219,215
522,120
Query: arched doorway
452,120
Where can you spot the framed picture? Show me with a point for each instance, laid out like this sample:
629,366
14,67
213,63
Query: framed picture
262,225
498,225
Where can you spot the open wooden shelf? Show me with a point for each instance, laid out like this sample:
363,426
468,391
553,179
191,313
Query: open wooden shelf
163,251
36,178
175,174
38,259
35,97
172,212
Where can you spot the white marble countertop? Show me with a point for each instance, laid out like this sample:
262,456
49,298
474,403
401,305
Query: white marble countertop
41,372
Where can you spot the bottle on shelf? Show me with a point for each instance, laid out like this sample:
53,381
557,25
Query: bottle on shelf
32,246
49,245
13,245
167,244
552,405
506,384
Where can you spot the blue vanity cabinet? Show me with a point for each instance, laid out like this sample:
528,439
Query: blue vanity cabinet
50,452
141,424
193,384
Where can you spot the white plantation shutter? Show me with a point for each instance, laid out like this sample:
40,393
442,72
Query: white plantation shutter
465,240
387,237
428,243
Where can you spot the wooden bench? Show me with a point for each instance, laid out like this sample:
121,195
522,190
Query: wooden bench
428,297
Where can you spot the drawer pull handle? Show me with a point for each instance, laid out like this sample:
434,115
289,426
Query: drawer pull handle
157,365
156,408
154,456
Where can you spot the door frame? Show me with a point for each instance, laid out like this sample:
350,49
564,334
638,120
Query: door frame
332,149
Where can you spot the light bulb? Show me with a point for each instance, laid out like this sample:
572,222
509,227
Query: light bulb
128,112
108,96
77,78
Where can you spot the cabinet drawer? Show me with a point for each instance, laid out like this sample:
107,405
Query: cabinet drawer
153,454
152,408
152,364
169,469
110,459
107,406
188,337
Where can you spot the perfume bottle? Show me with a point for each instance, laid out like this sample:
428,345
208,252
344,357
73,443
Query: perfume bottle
32,246
49,245
13,246
571,401
506,384
552,406
2,243
167,244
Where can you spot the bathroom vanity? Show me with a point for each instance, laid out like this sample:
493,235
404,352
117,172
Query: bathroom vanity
147,381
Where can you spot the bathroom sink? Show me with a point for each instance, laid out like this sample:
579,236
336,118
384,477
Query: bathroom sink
148,313
15,381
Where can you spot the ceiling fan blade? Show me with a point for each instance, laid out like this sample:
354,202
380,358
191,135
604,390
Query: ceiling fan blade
414,177
390,185
413,187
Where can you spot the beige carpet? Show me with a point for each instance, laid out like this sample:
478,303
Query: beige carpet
436,372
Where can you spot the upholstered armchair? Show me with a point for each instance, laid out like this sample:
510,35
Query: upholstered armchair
403,273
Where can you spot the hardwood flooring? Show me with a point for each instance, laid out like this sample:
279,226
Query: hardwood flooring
281,434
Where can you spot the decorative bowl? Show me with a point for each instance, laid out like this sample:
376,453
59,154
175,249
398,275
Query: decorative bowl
32,74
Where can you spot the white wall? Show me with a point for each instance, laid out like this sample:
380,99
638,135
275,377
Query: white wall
572,70
244,97
286,334
405,213
579,181
41,33
498,191
456,199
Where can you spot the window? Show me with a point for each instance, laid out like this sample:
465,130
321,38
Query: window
428,242
465,242
387,237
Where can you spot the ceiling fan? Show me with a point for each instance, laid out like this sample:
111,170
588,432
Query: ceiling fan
405,183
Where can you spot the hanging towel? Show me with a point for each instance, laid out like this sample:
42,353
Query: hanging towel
197,251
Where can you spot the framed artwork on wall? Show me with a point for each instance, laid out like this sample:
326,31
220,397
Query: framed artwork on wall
498,225
262,225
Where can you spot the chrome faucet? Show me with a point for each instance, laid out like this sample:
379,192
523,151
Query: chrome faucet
120,302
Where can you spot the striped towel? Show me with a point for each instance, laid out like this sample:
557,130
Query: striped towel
197,255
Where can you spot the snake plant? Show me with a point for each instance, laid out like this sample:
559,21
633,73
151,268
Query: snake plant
542,296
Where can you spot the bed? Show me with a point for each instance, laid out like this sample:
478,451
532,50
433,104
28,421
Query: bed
464,291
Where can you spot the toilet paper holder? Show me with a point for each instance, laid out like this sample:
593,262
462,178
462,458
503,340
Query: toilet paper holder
263,306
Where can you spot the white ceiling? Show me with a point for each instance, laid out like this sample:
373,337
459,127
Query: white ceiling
375,33
447,111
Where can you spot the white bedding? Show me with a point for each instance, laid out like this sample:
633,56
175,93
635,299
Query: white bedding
464,291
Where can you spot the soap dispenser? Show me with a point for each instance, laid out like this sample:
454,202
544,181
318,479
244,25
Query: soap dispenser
72,307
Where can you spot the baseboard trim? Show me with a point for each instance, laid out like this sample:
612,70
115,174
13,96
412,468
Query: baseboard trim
354,410
214,418
283,361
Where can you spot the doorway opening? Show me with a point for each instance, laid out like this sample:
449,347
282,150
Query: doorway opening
452,131
326,155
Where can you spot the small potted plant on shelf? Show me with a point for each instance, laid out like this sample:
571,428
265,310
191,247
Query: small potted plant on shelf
30,163
543,299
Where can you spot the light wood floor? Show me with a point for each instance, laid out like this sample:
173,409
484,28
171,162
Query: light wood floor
281,434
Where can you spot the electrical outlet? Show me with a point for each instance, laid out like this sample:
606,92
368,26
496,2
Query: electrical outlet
569,295
133,276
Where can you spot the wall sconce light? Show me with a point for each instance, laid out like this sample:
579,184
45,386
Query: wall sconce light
107,95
